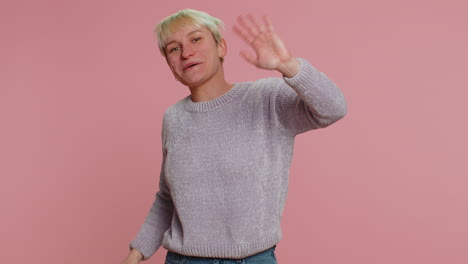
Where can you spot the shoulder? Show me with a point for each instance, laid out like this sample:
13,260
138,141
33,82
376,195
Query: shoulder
264,86
267,83
172,112
175,108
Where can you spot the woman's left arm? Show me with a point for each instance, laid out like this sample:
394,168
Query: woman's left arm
308,100
314,100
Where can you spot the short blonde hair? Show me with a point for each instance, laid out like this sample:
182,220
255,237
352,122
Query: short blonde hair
194,17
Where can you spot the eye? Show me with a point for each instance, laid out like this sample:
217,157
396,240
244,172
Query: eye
173,49
196,39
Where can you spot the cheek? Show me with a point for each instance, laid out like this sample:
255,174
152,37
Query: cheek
206,50
211,53
172,63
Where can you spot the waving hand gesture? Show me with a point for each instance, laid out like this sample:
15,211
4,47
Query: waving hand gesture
270,51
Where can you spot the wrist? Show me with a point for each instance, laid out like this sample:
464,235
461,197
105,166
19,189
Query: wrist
290,67
135,254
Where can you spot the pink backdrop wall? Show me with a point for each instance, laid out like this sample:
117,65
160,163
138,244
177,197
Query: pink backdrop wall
83,90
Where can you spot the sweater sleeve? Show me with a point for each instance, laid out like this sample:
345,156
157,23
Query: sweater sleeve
313,102
159,218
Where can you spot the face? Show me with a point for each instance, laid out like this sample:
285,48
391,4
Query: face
193,55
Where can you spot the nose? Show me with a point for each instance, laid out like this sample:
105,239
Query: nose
187,51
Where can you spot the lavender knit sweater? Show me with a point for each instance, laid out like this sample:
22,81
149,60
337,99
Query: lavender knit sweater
225,168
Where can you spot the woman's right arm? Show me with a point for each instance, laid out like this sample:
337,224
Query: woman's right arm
159,217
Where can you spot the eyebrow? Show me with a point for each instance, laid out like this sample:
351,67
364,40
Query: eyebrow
188,34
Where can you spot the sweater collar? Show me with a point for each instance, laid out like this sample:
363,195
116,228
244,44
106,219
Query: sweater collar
214,103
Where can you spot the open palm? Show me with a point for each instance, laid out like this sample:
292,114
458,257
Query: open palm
270,51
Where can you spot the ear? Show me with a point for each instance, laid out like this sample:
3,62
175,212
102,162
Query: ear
222,48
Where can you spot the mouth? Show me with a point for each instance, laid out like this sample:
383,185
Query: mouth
191,65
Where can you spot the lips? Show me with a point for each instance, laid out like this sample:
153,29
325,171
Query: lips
190,65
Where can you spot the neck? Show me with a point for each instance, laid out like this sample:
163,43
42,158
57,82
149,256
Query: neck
211,89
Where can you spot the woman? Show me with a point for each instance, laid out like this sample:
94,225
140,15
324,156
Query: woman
227,147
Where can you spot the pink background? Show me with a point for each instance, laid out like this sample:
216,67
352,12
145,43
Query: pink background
83,90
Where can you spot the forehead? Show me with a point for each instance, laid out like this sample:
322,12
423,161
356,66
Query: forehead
181,28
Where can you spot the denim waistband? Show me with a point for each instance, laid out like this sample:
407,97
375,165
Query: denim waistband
179,256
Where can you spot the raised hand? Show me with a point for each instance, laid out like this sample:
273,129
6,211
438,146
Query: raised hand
270,51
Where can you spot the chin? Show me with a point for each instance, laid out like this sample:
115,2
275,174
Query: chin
194,82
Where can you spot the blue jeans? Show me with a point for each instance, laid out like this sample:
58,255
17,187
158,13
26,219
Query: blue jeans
265,257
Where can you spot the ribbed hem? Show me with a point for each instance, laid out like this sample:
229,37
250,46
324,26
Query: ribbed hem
222,250
206,106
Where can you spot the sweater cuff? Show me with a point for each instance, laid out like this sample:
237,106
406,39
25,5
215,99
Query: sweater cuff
307,76
145,249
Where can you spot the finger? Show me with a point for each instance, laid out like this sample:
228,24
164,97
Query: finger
250,29
248,56
242,34
260,27
268,23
